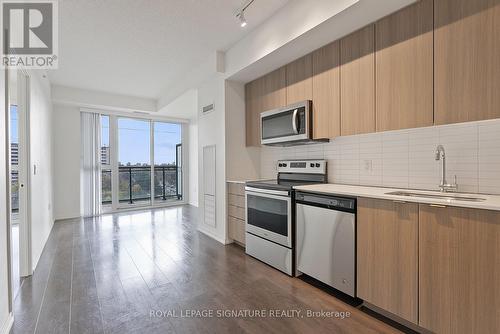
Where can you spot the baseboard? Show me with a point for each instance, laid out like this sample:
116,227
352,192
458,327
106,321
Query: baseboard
211,235
7,326
63,220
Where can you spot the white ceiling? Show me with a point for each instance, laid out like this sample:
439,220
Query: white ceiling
143,47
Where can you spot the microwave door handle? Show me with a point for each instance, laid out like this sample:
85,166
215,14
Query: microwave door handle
294,121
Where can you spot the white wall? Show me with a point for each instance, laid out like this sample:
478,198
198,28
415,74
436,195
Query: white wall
93,99
41,156
66,160
193,162
405,158
242,163
211,131
186,107
5,317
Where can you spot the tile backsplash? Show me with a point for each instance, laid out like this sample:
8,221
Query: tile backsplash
405,158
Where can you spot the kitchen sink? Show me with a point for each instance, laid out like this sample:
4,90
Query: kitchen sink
446,196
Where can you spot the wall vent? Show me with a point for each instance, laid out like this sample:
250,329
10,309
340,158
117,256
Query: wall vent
208,108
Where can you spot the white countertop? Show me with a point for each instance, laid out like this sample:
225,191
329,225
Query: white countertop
236,181
491,202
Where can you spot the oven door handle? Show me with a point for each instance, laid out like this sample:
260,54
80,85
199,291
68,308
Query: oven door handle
264,192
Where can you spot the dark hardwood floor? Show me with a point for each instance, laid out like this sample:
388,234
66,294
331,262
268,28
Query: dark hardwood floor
106,275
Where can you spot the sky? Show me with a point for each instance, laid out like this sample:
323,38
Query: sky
13,124
134,137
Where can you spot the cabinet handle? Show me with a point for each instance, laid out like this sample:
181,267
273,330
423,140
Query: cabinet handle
437,206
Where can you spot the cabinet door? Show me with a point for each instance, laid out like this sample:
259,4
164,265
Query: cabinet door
404,68
262,94
274,90
357,82
387,256
299,80
459,270
467,60
326,91
236,229
253,107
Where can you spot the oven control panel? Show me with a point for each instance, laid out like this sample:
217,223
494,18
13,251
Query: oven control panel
302,166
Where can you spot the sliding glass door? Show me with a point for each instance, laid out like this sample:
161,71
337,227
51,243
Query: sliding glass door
134,161
167,162
141,162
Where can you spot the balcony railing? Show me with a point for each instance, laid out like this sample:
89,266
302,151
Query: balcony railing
14,191
135,184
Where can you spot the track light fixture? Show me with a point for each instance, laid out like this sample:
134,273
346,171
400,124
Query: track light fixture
241,13
243,21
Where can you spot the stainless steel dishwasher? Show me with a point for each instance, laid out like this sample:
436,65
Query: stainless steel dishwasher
326,239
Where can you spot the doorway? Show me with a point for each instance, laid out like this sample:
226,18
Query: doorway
18,115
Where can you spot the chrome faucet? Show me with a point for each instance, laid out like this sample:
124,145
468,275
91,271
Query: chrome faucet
444,186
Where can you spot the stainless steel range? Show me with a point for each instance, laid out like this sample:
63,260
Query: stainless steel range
270,215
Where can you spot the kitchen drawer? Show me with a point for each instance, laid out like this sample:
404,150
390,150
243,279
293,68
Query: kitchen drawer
236,212
236,188
236,200
237,229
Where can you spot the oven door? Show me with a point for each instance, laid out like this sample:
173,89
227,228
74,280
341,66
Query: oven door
269,215
286,124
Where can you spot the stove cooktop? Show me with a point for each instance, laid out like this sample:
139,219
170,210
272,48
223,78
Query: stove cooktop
277,185
292,173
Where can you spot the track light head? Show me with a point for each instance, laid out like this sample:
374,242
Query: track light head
241,13
241,17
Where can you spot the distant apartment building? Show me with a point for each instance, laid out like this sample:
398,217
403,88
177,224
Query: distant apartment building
14,153
14,161
105,155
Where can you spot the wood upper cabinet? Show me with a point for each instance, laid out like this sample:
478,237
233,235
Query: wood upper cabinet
466,60
387,241
459,270
263,94
274,90
357,82
326,91
253,107
404,69
299,80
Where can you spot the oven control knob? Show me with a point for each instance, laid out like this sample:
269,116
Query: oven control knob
280,165
317,165
284,165
312,165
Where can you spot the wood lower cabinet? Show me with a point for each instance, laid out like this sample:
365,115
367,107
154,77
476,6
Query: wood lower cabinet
326,91
299,80
459,270
236,211
466,60
357,82
404,70
387,265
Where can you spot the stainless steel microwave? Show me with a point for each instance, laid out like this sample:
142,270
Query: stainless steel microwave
290,125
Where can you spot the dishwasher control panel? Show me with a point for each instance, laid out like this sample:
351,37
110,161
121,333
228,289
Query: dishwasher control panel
327,201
